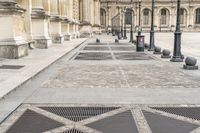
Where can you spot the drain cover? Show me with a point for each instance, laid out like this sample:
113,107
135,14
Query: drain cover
190,112
97,43
102,48
78,113
120,123
132,56
11,67
93,56
163,124
123,48
119,44
30,122
73,131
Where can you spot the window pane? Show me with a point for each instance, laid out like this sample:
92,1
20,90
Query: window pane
146,17
198,16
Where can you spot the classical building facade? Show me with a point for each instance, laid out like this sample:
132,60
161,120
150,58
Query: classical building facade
165,14
40,23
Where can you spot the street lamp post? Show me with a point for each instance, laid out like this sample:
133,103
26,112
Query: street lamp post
125,37
152,39
139,30
140,38
131,31
177,57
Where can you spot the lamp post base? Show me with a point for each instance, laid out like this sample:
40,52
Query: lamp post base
176,59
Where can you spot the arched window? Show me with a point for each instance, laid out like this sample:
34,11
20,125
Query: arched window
146,16
163,17
198,16
182,17
103,17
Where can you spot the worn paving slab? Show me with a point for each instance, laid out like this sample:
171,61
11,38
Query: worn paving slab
108,82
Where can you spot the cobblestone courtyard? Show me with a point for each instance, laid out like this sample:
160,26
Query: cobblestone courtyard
130,85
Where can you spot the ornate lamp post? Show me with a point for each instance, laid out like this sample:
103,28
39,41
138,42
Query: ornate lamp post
140,38
152,39
139,29
131,31
125,37
177,57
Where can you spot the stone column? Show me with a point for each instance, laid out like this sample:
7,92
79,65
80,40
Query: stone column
85,30
191,19
40,21
12,41
96,26
73,17
55,22
27,5
172,19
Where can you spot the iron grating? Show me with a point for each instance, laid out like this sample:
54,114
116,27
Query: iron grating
73,131
97,43
123,48
94,56
119,123
102,48
78,113
119,44
132,56
11,67
189,112
163,124
32,122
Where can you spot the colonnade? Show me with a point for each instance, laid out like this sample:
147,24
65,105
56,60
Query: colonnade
41,23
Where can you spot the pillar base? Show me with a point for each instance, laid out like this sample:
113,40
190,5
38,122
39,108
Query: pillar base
86,35
96,30
86,31
14,51
57,39
42,43
67,37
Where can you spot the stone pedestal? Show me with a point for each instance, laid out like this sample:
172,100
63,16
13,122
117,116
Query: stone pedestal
72,30
65,30
77,30
55,29
40,29
96,29
13,44
86,30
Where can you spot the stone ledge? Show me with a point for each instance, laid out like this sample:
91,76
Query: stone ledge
32,68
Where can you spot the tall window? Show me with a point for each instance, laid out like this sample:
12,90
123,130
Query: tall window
146,17
198,16
163,17
182,17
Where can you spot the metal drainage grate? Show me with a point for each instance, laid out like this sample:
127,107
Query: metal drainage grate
97,43
11,67
163,124
119,44
102,48
73,131
32,122
189,112
94,56
123,48
132,56
119,123
78,113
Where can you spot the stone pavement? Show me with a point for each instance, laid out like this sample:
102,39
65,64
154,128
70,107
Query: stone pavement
129,80
37,60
